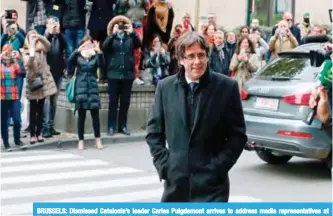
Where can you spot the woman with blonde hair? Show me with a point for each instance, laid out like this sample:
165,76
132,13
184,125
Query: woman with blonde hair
40,83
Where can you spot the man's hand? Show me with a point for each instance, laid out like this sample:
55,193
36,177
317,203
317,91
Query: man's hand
322,109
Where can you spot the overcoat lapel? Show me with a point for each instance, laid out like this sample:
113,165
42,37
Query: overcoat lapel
204,96
181,102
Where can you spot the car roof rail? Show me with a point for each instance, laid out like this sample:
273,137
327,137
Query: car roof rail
317,39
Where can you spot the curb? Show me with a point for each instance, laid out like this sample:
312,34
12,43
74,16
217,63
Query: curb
90,141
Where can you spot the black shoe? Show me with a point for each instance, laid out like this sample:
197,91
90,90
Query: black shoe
47,133
125,131
54,132
110,132
21,145
39,140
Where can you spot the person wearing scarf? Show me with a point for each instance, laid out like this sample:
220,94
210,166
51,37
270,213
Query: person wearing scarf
244,62
218,58
10,99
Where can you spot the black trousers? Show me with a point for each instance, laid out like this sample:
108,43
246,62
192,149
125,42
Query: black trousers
120,90
95,121
36,117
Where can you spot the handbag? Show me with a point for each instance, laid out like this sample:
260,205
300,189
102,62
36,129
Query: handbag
36,83
70,89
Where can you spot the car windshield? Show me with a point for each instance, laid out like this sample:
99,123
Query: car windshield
292,68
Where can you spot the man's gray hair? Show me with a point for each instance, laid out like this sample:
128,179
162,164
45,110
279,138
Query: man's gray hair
188,39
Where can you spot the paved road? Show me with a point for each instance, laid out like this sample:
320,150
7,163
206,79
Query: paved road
124,172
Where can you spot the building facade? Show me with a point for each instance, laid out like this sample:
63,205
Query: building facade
230,13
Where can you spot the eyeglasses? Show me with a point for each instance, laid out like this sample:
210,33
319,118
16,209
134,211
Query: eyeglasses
192,57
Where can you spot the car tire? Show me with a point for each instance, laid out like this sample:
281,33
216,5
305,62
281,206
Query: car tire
270,158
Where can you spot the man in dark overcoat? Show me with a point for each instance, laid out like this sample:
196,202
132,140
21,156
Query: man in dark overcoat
199,114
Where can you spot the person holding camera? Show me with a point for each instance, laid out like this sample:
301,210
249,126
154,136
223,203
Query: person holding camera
9,17
10,100
282,40
56,61
86,60
40,83
156,62
118,50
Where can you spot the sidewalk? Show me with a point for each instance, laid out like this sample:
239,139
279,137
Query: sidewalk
68,139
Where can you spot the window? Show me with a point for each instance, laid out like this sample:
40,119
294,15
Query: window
294,68
270,12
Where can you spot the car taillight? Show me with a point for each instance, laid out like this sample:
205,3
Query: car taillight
244,95
298,99
295,134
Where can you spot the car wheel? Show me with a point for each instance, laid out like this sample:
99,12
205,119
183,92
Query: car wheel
270,158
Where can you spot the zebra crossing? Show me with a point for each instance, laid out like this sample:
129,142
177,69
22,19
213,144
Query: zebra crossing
58,176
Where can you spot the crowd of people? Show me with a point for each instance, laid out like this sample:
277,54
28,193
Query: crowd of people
115,46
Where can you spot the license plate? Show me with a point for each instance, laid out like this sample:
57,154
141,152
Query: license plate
266,103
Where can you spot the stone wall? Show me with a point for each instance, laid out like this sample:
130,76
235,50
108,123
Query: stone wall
141,100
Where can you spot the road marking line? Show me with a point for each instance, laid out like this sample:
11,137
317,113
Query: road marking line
5,154
51,166
79,187
66,175
38,158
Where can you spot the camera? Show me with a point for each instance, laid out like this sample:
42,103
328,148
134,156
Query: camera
9,14
122,27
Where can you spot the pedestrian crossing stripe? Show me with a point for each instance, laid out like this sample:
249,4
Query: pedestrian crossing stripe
22,184
67,175
52,166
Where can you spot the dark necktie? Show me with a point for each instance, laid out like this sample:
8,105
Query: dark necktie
193,86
